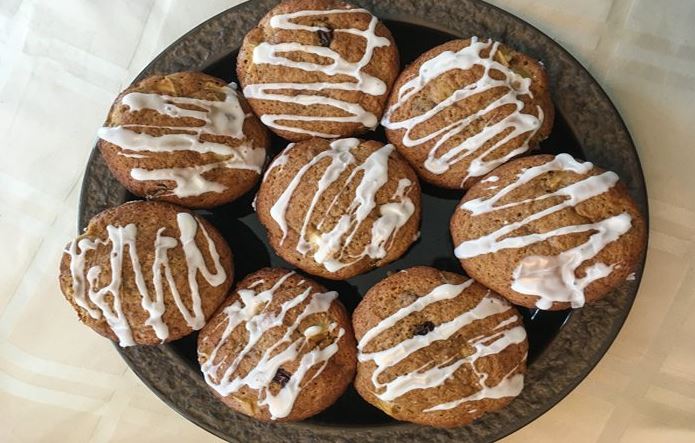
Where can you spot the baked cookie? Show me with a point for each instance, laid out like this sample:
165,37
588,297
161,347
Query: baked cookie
318,68
338,209
465,107
549,232
280,348
186,138
438,348
146,273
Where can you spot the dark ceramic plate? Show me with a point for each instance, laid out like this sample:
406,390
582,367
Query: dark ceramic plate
564,346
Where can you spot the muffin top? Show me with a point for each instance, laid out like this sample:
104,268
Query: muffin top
280,348
438,348
337,209
465,107
146,273
186,138
549,232
318,68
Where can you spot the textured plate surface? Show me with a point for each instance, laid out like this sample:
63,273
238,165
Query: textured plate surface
564,346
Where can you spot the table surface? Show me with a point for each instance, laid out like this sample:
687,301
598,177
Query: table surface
61,65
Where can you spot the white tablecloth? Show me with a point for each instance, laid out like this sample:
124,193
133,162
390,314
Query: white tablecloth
63,61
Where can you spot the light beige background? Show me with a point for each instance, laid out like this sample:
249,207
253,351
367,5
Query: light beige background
63,61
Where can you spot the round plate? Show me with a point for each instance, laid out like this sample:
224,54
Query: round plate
564,346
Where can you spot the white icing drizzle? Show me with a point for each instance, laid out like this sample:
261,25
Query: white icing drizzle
508,387
122,237
514,124
251,311
630,277
219,118
256,283
392,217
280,160
271,54
434,374
551,278
330,246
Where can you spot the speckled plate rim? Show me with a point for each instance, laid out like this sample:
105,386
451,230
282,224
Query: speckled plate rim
595,122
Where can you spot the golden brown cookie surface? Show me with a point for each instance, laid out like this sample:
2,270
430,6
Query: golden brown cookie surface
465,107
339,208
438,348
146,273
318,68
185,138
549,232
280,348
